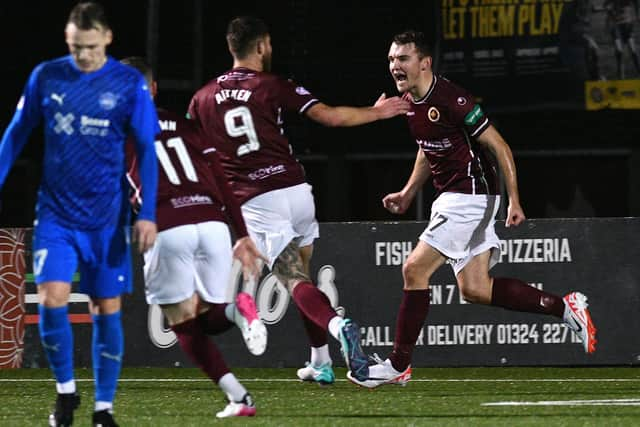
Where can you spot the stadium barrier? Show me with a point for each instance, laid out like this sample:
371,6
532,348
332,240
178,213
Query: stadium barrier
358,265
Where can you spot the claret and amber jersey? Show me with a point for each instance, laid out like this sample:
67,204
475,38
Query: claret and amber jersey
191,185
242,111
444,124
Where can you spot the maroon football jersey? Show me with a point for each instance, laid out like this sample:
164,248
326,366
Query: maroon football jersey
444,124
241,112
192,187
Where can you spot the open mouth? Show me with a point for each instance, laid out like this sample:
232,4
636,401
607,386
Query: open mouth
399,77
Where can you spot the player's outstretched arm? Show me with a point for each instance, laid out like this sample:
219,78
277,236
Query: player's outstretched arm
144,233
399,202
384,108
251,259
492,139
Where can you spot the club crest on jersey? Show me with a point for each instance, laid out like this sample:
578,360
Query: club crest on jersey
433,114
461,100
108,101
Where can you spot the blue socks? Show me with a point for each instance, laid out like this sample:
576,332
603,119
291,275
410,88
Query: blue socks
108,346
57,340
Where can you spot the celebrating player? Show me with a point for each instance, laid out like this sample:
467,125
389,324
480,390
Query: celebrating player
187,270
88,103
454,137
241,111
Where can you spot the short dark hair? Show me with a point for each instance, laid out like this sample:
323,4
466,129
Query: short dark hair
242,34
88,16
416,37
140,64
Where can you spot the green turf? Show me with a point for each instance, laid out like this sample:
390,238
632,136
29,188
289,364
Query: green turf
437,397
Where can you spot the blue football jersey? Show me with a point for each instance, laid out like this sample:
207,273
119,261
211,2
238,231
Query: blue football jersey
87,118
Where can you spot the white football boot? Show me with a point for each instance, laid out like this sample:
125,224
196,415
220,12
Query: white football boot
382,373
322,374
253,330
244,408
577,318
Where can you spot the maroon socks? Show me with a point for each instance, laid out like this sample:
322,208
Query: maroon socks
411,317
200,349
514,294
313,304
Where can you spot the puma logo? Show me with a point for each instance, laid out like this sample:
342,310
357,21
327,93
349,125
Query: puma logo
116,357
58,98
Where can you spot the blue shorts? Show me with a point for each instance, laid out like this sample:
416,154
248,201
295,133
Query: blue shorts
102,256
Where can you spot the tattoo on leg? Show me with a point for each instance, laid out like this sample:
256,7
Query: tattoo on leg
288,267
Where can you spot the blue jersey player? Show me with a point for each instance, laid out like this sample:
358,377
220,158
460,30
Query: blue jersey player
88,103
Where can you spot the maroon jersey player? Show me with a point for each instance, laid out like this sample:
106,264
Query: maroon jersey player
455,138
187,270
242,111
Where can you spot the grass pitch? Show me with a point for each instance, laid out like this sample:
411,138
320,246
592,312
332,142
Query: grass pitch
435,397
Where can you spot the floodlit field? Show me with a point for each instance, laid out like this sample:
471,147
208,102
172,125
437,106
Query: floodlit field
436,397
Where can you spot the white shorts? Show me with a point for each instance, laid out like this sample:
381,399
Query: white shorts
462,226
277,217
188,259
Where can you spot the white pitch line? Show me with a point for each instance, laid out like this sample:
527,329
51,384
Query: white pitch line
600,402
418,380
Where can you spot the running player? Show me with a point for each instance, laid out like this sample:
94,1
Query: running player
186,271
242,111
454,138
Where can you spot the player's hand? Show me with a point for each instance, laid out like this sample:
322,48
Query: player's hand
515,215
396,203
246,252
144,233
391,107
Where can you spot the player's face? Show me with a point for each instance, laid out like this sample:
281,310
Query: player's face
407,67
266,57
88,47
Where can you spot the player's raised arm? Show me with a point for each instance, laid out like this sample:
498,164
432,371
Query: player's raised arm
399,202
343,116
492,139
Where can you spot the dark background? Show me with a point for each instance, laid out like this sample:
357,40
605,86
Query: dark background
571,163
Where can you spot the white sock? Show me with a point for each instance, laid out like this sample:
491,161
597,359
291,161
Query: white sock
320,355
335,324
101,406
230,312
66,387
232,387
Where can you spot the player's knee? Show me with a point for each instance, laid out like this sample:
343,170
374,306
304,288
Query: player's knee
475,291
414,276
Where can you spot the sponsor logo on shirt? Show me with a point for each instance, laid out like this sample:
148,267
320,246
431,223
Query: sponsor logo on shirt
193,200
434,145
107,101
263,173
94,127
63,123
473,116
